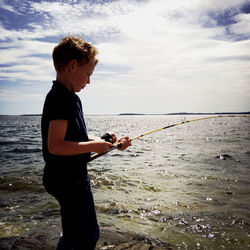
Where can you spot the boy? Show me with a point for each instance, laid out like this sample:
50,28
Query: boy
67,146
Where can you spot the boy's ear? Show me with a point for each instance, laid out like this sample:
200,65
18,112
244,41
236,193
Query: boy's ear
71,65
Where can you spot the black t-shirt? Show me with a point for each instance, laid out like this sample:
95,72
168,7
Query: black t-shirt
62,104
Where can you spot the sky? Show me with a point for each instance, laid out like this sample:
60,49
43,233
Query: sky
155,56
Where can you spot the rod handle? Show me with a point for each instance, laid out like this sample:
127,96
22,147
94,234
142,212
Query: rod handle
95,156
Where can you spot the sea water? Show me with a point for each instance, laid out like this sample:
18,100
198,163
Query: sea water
188,185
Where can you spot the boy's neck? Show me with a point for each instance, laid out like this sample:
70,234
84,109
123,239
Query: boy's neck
60,77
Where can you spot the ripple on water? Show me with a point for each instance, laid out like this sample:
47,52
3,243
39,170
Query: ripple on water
200,163
112,208
14,184
26,150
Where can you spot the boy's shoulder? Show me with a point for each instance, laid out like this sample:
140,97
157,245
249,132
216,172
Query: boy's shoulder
59,91
61,96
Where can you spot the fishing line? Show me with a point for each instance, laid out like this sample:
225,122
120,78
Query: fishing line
116,146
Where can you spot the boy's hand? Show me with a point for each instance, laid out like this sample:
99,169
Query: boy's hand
113,137
123,143
102,146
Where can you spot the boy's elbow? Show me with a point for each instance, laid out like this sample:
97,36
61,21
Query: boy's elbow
53,148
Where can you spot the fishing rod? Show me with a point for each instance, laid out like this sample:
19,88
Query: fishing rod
117,146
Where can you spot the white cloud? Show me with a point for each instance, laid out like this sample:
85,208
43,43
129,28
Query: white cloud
242,27
156,50
22,60
7,7
15,96
16,50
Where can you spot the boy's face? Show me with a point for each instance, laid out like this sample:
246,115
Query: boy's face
81,75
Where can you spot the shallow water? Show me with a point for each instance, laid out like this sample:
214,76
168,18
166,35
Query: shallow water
188,185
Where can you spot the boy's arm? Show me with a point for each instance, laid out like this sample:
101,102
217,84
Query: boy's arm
58,146
94,138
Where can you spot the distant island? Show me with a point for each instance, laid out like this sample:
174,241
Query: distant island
215,113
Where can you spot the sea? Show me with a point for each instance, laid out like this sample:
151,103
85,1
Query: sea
188,185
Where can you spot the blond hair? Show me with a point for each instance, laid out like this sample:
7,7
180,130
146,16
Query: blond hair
70,48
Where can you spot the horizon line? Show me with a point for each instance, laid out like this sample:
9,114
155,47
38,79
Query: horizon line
136,113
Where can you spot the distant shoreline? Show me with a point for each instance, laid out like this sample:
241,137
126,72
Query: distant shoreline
141,114
31,115
187,113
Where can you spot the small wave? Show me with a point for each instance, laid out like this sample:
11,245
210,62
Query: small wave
152,214
151,188
117,155
26,150
20,184
4,203
7,142
112,208
133,155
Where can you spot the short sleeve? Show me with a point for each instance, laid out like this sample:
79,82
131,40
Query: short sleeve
61,107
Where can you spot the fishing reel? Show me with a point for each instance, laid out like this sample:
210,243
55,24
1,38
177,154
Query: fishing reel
108,138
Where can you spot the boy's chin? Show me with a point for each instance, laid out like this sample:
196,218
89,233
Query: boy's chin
78,90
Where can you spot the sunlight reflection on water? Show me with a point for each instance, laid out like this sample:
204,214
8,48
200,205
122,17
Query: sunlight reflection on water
188,185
